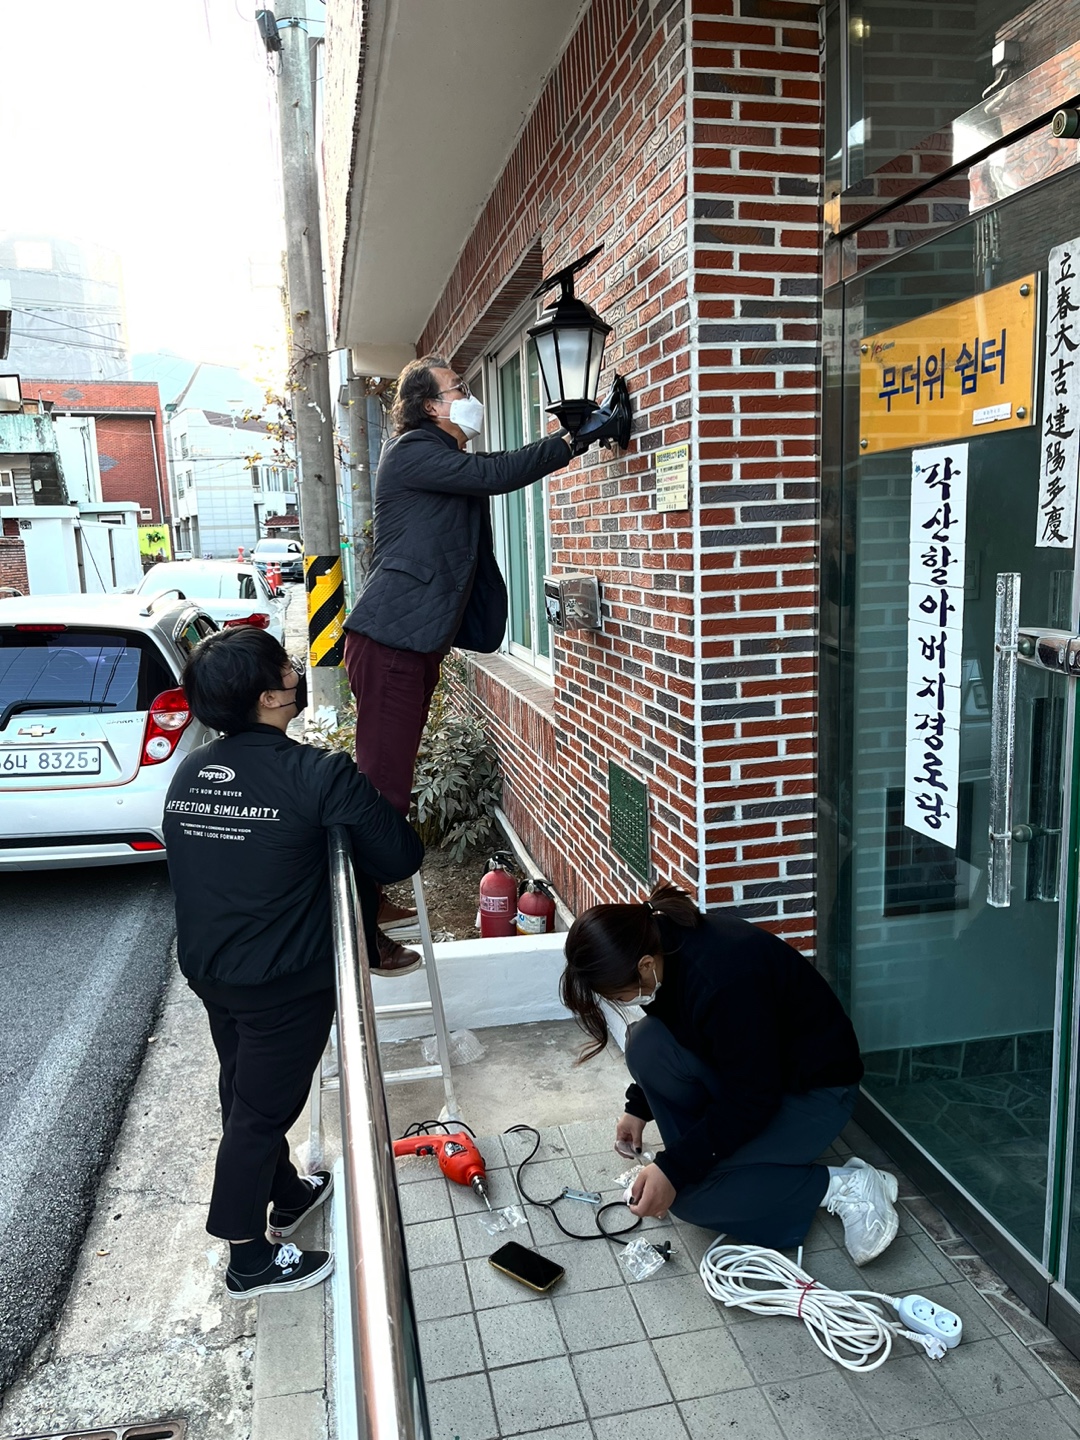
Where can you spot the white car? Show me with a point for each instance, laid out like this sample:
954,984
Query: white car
93,724
231,592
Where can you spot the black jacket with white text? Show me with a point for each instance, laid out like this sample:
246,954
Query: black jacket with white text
246,840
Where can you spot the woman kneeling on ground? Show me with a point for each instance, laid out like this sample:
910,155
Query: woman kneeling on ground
747,1063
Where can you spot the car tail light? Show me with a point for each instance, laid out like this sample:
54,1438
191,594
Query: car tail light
169,716
146,845
40,629
261,622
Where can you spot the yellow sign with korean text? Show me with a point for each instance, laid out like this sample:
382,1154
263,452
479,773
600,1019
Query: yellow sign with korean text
960,372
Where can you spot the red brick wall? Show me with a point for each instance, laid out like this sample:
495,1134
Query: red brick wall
603,158
13,572
703,679
757,170
127,446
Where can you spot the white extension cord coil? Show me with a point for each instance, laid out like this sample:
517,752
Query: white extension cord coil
848,1330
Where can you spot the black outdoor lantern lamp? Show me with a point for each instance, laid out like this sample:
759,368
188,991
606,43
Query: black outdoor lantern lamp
570,342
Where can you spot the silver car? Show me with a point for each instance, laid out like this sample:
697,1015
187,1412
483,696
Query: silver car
93,724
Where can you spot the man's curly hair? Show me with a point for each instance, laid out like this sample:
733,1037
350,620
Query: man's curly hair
416,384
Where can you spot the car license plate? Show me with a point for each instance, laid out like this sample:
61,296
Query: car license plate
29,760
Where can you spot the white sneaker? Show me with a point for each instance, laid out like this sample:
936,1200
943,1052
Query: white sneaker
864,1199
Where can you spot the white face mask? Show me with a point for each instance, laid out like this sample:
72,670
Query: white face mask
468,416
641,999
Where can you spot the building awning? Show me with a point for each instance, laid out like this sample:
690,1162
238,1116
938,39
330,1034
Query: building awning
442,92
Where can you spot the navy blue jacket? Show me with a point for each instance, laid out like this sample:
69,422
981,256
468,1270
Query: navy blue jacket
434,581
761,1017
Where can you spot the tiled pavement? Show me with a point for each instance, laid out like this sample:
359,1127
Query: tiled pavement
601,1358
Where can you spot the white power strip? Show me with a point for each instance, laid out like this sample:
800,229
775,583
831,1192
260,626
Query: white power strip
923,1316
842,1324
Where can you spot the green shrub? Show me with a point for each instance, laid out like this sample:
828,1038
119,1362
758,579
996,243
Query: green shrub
456,784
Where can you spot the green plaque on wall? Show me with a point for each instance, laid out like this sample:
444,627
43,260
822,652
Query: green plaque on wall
628,799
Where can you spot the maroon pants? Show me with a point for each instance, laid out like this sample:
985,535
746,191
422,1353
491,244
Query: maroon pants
393,690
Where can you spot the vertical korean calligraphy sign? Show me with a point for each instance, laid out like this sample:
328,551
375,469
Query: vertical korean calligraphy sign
1056,525
936,556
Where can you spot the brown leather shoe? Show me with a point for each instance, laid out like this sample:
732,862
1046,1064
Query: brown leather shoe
394,959
391,914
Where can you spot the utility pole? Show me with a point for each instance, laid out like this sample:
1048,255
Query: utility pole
360,475
309,379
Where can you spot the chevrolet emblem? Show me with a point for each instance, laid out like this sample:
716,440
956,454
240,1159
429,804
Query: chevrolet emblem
37,731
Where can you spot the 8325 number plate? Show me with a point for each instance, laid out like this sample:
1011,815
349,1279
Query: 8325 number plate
28,760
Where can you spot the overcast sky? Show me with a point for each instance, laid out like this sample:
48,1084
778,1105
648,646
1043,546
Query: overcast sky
149,126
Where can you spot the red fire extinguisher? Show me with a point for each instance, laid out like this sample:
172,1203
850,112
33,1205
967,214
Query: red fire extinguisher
498,896
535,909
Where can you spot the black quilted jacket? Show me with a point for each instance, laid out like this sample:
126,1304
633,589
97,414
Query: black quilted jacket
434,581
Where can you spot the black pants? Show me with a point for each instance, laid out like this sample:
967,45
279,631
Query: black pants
267,1060
767,1191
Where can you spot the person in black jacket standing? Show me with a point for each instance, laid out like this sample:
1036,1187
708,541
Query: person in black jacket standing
434,582
245,836
748,1064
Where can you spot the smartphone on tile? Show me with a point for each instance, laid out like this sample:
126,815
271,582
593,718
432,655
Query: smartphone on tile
531,1269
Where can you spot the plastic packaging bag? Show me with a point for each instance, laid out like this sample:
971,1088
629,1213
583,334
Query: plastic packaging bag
464,1048
496,1221
640,1259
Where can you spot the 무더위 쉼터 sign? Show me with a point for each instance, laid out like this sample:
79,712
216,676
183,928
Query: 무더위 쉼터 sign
965,370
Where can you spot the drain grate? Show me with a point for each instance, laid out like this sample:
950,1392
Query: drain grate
157,1430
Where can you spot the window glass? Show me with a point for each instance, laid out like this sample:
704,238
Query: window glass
517,530
915,67
195,583
82,672
521,519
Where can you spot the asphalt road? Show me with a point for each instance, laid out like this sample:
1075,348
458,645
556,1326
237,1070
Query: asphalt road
83,962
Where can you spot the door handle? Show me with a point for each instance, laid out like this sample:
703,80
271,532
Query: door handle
1055,650
1003,738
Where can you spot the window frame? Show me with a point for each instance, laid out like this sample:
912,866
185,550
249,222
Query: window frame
487,371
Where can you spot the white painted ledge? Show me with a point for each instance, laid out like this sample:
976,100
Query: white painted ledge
508,981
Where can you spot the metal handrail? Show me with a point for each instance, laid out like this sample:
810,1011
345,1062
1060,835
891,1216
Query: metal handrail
389,1380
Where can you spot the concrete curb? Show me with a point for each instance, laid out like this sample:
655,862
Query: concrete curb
289,1387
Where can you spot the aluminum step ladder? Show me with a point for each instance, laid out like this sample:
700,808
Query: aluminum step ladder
412,932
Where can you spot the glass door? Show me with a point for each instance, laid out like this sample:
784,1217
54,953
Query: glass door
955,944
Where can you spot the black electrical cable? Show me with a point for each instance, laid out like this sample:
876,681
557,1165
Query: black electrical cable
549,1205
437,1127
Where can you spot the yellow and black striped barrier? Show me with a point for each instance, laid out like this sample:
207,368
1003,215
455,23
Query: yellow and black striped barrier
326,609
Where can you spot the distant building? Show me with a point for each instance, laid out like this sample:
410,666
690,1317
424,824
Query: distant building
116,429
223,495
50,542
67,309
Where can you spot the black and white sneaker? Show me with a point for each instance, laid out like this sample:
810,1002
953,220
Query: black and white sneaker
290,1269
284,1223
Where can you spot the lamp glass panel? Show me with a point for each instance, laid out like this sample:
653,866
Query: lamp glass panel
549,366
596,358
574,358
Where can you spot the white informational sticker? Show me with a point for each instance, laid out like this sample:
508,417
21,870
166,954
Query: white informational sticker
938,530
989,413
1056,525
673,478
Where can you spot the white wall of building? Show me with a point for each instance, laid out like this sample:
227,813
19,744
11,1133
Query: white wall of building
216,505
104,538
76,438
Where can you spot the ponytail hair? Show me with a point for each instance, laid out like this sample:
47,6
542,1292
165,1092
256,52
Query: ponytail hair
603,949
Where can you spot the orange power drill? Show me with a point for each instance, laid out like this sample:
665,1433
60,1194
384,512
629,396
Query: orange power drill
459,1159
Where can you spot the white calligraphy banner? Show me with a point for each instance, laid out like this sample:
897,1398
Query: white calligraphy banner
936,555
1056,526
